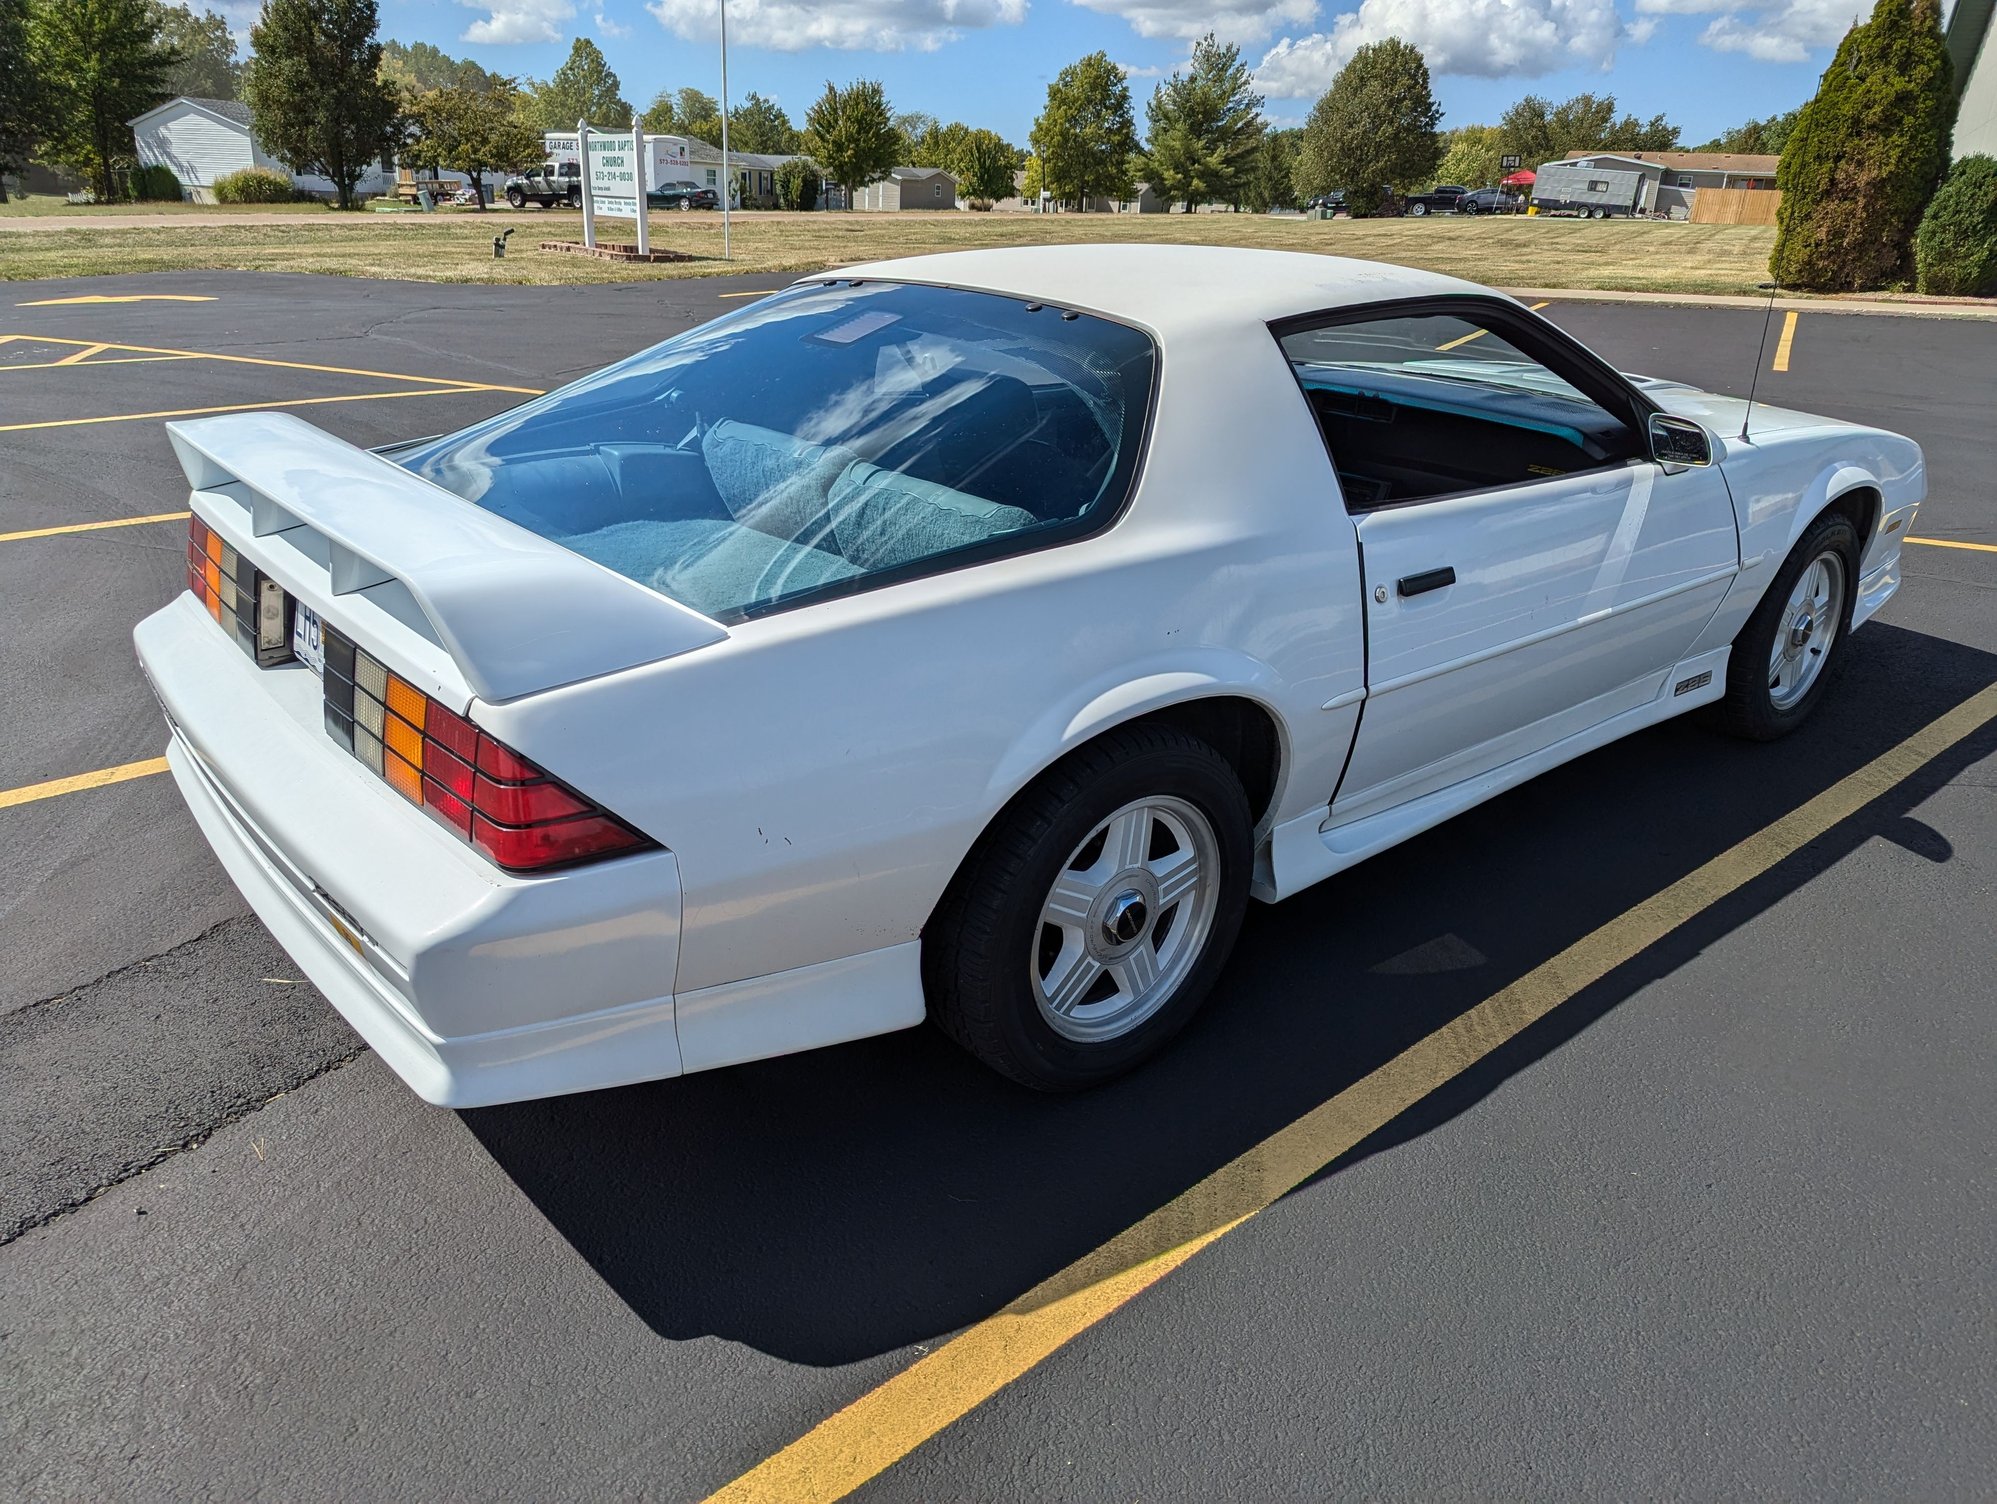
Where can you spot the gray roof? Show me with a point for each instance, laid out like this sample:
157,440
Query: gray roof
233,109
921,172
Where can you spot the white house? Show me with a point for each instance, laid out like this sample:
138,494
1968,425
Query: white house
201,140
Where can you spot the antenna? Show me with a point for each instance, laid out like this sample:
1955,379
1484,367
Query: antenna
1761,349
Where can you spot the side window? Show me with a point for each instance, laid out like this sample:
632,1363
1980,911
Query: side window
1431,404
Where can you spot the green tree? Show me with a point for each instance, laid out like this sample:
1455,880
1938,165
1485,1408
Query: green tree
1374,129
1470,156
1086,136
797,184
317,99
1541,131
1866,155
473,130
99,63
913,126
1955,250
20,93
1762,137
1032,179
206,66
583,88
937,145
699,116
1273,182
983,163
417,66
760,125
1206,129
850,133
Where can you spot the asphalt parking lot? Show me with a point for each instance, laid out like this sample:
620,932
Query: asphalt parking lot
1694,1198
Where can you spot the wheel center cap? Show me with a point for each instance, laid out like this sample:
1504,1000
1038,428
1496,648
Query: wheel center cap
1125,917
1800,633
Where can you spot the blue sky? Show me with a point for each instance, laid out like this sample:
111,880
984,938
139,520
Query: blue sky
1707,64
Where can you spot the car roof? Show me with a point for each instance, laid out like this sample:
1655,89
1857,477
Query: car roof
1168,288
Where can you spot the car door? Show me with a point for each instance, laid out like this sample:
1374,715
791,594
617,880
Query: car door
1530,571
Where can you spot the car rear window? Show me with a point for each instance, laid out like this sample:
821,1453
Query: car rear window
822,440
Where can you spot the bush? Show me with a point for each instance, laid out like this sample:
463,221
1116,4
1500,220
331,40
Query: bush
798,183
1866,154
155,185
253,185
1955,250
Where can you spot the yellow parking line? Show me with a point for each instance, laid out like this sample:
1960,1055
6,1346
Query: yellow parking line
890,1421
120,774
82,355
290,365
116,360
1477,333
1982,548
137,297
91,527
252,407
1781,361
747,294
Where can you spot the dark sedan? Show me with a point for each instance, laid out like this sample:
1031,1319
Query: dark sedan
682,195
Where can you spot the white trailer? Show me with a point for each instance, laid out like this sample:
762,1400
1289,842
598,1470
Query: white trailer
1587,189
666,158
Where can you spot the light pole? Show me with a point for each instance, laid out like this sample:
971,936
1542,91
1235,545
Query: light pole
727,180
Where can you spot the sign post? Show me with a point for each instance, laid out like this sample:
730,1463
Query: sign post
588,203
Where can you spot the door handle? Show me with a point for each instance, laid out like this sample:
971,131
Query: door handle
1428,579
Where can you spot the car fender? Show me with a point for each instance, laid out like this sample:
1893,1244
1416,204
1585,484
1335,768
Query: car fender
1138,690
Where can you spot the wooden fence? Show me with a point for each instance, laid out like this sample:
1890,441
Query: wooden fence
1735,206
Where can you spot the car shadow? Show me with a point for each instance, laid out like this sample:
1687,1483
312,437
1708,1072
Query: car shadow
832,1206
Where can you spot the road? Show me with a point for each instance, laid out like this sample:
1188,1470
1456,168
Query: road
1712,1218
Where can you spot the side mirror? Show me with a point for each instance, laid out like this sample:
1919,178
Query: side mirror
1679,441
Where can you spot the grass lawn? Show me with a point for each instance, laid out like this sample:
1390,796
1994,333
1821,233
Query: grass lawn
1508,252
48,206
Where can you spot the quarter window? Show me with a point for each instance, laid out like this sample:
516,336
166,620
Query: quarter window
1430,404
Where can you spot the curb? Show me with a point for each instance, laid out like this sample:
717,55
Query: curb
1910,308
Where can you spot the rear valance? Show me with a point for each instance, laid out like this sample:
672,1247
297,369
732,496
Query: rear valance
516,612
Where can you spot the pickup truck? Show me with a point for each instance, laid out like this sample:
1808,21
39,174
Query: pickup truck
1439,200
546,185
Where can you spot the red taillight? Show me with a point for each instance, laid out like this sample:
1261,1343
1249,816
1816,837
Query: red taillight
490,795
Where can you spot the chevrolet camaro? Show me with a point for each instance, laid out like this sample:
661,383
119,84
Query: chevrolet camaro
966,637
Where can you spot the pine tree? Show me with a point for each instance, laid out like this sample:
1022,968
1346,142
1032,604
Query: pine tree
1206,129
317,99
1086,136
99,63
1955,250
760,125
1866,155
1374,129
850,133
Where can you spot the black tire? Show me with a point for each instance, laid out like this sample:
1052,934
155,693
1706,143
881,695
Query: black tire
575,199
979,948
1418,210
516,198
1749,709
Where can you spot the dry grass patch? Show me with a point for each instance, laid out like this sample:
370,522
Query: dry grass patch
1514,252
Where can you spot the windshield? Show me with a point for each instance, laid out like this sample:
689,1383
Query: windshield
821,440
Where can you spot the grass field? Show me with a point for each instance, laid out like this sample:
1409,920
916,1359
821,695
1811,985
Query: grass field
1511,252
47,206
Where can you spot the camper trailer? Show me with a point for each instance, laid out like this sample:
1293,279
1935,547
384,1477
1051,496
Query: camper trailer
1593,191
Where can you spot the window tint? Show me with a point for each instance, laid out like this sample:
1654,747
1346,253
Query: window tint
1430,404
819,439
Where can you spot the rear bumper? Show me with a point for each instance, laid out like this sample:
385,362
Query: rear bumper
475,986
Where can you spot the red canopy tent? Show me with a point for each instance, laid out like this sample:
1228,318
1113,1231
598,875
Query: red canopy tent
1519,179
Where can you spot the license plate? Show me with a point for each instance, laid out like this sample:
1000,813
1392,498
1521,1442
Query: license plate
306,639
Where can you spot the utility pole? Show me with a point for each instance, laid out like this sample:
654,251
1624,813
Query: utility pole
727,178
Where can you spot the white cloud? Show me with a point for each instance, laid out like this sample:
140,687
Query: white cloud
1783,33
1189,20
609,27
1477,38
519,20
1140,70
1642,29
869,25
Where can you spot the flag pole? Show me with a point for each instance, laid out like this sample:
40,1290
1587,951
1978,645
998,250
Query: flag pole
727,181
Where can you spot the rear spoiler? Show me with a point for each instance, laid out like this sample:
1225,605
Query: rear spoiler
516,612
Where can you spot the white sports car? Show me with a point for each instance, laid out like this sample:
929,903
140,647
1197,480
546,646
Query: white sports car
965,637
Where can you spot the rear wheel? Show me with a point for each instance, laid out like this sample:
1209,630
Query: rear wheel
1782,658
1088,925
1418,210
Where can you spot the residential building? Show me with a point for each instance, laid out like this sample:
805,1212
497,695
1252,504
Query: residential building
201,140
1670,178
909,188
1975,59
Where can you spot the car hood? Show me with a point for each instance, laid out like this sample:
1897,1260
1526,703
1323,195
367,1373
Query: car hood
1723,415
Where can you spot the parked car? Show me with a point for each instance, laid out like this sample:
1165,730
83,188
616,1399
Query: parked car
903,645
1440,199
546,185
1331,202
682,195
1488,201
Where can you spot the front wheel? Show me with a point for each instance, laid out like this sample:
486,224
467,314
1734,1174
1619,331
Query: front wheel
1087,927
1418,210
1781,660
516,198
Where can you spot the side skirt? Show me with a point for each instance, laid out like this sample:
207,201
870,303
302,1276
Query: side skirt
1309,849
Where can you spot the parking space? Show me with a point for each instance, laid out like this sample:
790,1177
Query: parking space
1641,1116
